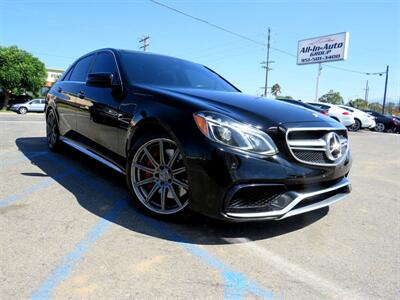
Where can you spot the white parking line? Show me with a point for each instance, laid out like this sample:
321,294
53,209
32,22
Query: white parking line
25,122
325,286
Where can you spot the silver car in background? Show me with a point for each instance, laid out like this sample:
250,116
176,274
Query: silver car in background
34,105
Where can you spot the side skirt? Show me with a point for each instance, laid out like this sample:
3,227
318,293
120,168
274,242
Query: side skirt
90,153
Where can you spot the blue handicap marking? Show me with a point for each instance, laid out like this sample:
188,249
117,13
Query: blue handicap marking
236,285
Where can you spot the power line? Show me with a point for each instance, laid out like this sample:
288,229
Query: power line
208,23
248,38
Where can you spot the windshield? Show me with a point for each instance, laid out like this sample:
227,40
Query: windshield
171,72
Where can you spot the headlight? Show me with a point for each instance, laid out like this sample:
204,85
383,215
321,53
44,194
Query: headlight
224,130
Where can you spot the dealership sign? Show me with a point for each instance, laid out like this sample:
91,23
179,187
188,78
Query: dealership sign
323,49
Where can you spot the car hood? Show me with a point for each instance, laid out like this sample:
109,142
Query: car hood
244,107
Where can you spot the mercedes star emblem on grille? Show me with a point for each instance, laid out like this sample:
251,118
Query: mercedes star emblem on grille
333,147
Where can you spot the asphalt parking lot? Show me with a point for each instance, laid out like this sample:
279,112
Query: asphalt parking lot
69,232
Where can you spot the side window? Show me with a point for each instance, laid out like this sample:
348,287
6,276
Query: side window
81,69
42,101
105,63
66,77
35,102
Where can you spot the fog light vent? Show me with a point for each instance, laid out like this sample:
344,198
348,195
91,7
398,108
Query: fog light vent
253,198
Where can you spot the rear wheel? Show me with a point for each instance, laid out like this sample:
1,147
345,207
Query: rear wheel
52,132
380,127
22,110
157,176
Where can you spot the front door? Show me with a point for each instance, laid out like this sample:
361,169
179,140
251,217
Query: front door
101,115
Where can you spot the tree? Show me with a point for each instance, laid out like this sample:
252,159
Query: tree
359,103
390,108
332,97
375,107
20,72
284,97
276,89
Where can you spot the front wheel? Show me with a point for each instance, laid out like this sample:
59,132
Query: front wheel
22,110
356,126
380,127
157,176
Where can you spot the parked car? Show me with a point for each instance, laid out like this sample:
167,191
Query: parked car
397,121
188,140
34,105
305,105
383,123
362,119
339,114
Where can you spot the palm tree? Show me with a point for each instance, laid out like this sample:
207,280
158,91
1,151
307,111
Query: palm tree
276,89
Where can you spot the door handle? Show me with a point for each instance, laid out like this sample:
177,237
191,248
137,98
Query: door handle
81,94
59,90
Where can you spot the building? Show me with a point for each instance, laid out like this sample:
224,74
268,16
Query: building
52,76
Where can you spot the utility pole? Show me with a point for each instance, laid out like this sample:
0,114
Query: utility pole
145,42
366,92
317,85
384,94
266,63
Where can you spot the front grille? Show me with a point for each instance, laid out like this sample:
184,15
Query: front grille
316,146
317,157
252,197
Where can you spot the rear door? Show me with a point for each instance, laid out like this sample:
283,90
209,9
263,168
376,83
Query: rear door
34,105
75,87
103,116
42,105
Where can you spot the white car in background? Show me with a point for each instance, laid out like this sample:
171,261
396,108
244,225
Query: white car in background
339,114
34,105
362,119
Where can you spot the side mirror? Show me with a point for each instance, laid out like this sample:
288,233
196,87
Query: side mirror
100,80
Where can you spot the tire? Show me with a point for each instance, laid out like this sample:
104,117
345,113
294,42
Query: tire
380,127
158,182
52,131
22,110
356,126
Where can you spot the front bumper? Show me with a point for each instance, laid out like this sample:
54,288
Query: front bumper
293,203
215,179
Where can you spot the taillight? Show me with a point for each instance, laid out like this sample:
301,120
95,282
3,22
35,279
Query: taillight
324,113
346,113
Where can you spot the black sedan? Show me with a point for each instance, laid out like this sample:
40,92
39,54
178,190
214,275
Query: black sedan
383,123
188,140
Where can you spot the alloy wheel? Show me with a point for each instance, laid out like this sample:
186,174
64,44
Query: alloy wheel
51,130
380,127
356,126
159,178
22,110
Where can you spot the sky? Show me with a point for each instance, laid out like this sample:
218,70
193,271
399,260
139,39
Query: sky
59,31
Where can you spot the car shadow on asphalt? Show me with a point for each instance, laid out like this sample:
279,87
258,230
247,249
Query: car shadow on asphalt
98,189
